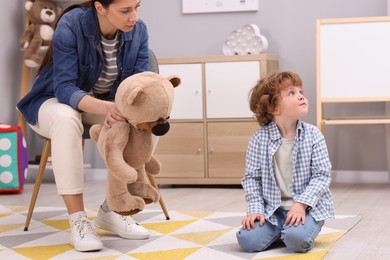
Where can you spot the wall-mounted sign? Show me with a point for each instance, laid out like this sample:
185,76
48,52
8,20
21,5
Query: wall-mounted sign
213,6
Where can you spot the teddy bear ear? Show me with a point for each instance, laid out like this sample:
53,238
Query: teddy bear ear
28,5
133,95
175,80
59,10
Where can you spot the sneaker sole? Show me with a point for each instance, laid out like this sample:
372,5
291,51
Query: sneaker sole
87,248
107,227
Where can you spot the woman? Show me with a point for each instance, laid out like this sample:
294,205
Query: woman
95,46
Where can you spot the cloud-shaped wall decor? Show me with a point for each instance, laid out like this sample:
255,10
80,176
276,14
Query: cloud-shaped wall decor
245,41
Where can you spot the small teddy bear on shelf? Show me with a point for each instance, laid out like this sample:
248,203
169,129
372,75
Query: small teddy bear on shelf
42,15
145,99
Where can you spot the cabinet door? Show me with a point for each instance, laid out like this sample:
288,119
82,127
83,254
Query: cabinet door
188,95
227,145
227,88
181,151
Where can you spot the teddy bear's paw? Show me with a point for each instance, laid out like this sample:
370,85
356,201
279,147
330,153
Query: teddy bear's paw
153,167
129,203
145,191
31,63
128,213
25,45
32,60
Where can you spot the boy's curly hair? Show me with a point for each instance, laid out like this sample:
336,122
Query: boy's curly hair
265,96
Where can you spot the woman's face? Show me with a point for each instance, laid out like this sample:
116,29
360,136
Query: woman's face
123,14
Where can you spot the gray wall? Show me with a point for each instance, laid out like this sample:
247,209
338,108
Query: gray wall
11,26
290,27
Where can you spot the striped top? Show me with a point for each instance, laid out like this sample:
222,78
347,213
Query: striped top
110,68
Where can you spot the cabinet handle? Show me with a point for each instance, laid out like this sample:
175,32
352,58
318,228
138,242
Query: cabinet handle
198,151
211,150
196,91
209,91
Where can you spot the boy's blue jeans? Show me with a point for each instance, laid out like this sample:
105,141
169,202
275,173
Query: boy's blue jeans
298,239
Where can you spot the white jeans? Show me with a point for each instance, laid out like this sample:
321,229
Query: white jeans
64,126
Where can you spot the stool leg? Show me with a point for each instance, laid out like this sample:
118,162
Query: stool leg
161,201
41,170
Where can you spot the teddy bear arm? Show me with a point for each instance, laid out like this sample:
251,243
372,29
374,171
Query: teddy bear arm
34,46
120,170
94,131
114,145
26,37
153,166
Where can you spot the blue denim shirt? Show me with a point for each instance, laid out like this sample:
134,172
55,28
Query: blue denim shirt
311,172
78,61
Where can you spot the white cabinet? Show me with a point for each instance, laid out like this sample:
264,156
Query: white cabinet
227,88
189,95
211,122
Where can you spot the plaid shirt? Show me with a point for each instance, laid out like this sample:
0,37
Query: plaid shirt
310,177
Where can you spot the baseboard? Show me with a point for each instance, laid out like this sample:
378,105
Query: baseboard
360,177
91,174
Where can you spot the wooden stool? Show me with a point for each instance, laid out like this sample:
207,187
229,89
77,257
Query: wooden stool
41,170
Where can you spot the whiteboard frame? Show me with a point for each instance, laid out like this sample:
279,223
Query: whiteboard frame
338,24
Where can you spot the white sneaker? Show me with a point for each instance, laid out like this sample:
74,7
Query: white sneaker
123,226
82,236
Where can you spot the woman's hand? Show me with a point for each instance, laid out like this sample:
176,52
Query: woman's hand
249,221
113,115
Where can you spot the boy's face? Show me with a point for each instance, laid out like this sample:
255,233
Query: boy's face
293,103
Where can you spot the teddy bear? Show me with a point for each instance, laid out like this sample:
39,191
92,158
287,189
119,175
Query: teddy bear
42,15
145,99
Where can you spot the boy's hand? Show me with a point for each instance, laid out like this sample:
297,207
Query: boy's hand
249,221
296,214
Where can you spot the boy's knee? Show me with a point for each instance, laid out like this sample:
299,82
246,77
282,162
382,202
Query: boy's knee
244,241
248,242
297,242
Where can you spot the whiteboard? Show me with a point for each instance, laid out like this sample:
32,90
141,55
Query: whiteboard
353,59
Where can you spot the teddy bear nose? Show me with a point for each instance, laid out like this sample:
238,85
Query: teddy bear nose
161,129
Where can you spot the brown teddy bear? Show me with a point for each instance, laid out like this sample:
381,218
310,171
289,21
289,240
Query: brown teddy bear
42,16
145,100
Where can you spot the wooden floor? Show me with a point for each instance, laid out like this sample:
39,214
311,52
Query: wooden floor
370,239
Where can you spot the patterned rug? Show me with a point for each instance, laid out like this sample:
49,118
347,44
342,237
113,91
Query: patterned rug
188,235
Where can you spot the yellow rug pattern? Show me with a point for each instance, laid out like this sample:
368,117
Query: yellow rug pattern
188,235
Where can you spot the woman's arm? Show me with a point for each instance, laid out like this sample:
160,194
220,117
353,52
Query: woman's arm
101,107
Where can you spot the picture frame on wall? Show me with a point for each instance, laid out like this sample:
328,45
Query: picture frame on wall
215,6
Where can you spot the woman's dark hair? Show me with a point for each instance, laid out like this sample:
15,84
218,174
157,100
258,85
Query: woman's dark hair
49,54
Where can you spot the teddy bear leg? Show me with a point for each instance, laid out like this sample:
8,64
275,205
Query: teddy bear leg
31,55
143,189
120,200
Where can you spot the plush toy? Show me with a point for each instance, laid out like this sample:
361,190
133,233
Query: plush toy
145,100
42,16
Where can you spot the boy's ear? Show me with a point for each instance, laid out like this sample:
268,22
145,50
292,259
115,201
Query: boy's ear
274,110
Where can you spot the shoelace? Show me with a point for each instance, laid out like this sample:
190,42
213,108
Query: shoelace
128,220
83,226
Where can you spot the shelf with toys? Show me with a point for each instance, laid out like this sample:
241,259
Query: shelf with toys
40,18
